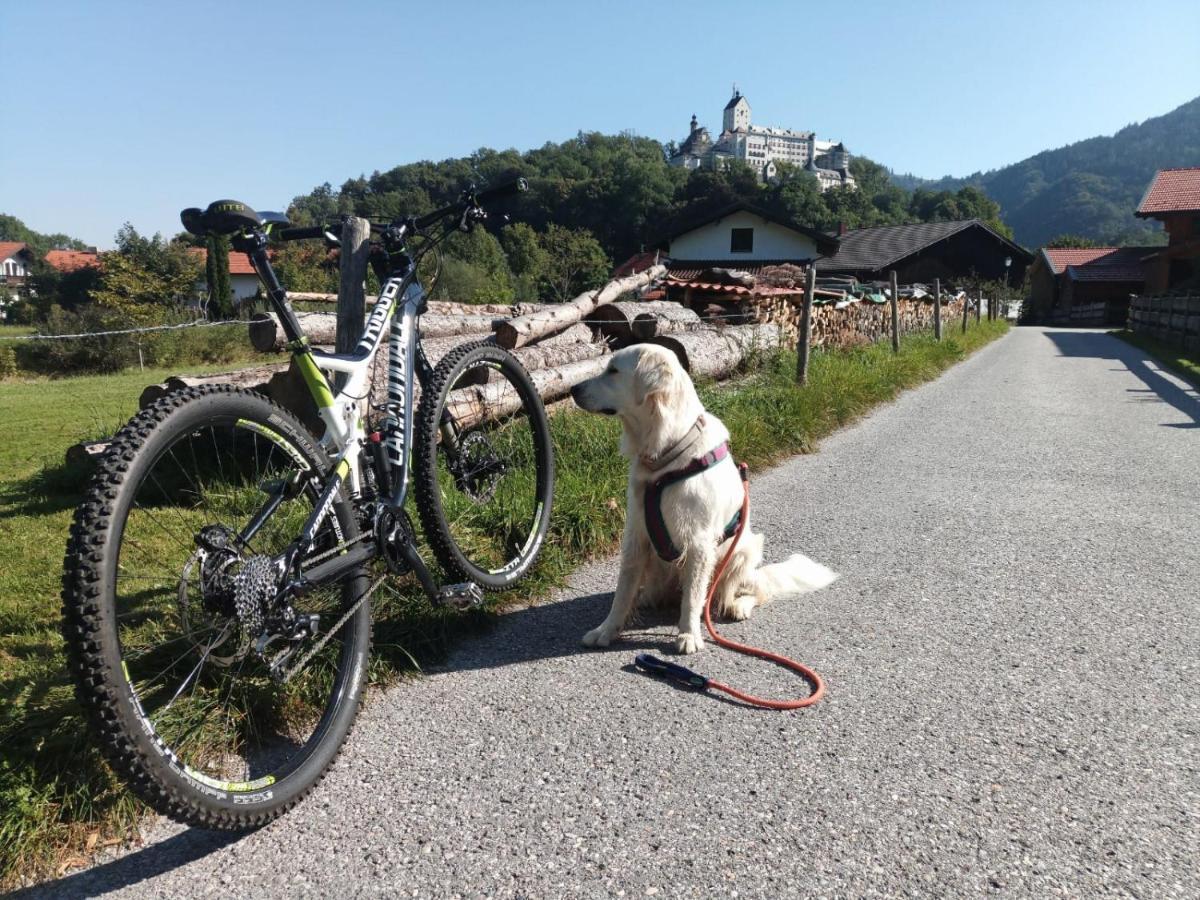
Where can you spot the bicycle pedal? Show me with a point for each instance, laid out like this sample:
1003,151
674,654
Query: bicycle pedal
460,596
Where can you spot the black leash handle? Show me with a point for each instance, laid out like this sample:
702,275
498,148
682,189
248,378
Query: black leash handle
660,668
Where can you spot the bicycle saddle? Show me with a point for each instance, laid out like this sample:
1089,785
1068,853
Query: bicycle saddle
224,217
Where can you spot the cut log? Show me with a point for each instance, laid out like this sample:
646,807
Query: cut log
669,320
479,403
714,353
576,334
545,356
254,378
525,329
615,319
436,307
266,334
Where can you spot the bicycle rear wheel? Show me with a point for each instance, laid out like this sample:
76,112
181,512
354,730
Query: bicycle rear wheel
171,617
484,467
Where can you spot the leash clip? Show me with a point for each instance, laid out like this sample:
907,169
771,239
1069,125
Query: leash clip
660,668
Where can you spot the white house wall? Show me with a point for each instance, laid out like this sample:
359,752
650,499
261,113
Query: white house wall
771,241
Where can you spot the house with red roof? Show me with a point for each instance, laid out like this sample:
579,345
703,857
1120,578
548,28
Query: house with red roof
15,260
1173,198
1064,277
67,261
243,281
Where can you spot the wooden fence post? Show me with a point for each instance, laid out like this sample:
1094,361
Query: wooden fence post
804,339
895,314
966,307
351,308
978,305
937,308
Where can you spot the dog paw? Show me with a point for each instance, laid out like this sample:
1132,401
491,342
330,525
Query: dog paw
742,607
598,637
689,643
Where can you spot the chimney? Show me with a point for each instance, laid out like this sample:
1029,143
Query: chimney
842,229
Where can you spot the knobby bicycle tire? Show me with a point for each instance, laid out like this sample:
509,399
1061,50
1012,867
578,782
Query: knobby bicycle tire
92,621
517,531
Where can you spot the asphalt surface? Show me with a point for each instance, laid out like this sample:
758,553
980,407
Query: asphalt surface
1012,659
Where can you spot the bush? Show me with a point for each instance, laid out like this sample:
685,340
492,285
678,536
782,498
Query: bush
8,361
99,355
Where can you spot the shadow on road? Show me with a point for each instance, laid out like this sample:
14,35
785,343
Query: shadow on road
1099,345
135,867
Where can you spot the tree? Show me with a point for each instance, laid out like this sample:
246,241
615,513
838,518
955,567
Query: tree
575,262
526,259
1072,240
216,275
146,277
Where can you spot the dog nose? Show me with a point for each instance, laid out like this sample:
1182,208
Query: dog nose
576,393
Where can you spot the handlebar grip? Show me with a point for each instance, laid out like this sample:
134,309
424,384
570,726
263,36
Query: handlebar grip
517,186
302,234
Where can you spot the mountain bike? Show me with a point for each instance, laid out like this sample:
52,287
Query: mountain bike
218,575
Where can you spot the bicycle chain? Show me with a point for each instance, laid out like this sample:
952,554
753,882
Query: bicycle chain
288,672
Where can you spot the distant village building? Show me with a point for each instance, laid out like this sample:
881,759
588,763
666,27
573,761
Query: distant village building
1063,277
1173,198
762,148
956,252
15,259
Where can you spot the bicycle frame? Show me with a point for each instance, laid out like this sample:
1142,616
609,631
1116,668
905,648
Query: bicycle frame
399,306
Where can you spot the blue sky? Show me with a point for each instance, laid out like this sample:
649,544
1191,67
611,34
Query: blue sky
124,111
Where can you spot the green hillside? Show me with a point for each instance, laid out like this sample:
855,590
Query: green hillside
1092,187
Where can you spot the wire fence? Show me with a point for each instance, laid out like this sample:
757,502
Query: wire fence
199,323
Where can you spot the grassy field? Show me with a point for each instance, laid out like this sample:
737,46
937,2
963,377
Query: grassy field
57,798
1185,365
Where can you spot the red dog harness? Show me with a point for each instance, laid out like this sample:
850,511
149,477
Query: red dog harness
656,525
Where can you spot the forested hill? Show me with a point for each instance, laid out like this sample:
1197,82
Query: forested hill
596,199
1092,187
13,229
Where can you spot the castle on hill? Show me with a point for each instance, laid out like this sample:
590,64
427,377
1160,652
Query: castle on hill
762,148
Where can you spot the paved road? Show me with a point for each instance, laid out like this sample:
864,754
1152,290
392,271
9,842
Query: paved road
1012,655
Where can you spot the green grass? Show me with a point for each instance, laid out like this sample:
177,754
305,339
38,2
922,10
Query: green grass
58,799
1185,365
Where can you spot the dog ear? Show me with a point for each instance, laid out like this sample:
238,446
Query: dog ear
656,382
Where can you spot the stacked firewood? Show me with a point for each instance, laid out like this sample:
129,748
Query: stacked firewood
848,324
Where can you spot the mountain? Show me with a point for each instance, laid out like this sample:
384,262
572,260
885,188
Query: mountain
1089,188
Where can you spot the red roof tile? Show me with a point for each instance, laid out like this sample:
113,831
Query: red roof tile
239,263
70,260
639,262
1172,190
9,248
1061,257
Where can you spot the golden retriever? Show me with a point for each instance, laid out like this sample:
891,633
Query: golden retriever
665,428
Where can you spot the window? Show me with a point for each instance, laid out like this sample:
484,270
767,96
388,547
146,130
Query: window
741,240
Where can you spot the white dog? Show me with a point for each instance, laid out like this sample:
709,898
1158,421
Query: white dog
675,537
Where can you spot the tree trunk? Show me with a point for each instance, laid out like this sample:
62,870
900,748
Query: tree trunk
478,403
714,353
670,319
615,319
267,335
525,329
255,378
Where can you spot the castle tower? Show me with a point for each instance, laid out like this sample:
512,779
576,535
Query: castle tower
737,113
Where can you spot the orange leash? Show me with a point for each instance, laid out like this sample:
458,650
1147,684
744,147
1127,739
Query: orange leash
660,667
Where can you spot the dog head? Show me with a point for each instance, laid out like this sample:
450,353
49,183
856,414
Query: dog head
647,388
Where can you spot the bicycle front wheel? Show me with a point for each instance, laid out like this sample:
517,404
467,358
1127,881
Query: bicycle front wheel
174,627
484,467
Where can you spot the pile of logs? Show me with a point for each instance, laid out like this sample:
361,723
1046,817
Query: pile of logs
850,324
560,345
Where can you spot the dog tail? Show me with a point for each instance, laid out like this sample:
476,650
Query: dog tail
795,575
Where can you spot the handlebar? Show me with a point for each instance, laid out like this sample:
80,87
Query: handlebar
302,234
474,198
471,199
